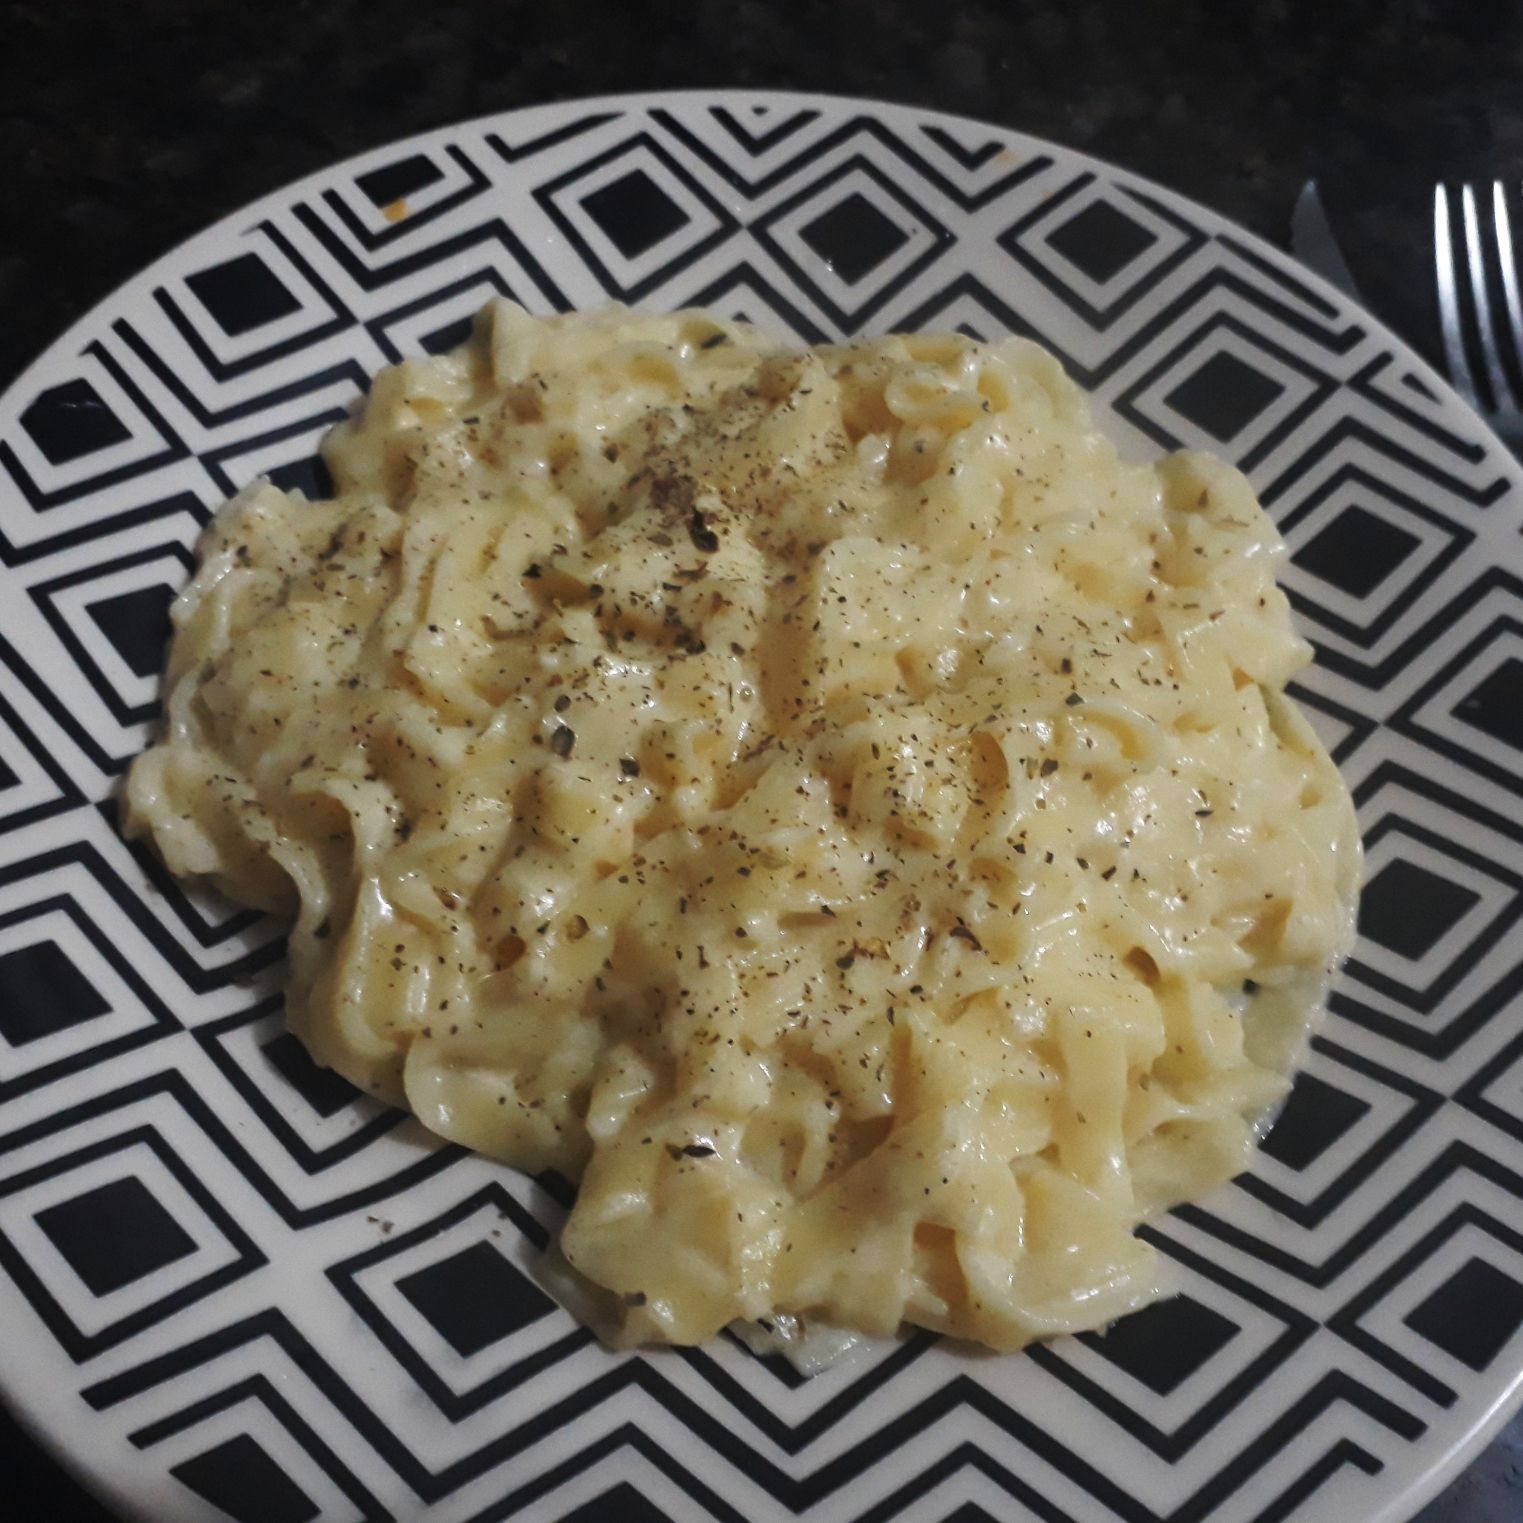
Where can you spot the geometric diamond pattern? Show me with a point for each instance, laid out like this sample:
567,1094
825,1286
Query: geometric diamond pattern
242,294
1460,708
1164,1344
1102,251
1224,396
42,992
475,1298
1366,554
1472,1314
33,784
635,213
71,420
621,1504
853,237
1101,240
1228,384
325,1091
1357,551
1409,909
1315,1116
395,182
114,1234
137,624
110,620
310,1308
240,1477
307,475
1496,704
78,429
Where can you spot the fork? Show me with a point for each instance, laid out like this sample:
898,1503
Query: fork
1465,245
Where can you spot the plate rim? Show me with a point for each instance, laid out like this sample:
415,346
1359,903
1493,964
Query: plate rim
1398,1507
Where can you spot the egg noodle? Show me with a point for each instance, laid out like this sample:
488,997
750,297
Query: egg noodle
821,800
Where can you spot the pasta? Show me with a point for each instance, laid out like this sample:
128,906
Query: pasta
821,800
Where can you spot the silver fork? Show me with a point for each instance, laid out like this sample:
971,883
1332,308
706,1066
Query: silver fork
1463,241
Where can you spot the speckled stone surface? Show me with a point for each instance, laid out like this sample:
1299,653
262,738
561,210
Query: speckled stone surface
127,125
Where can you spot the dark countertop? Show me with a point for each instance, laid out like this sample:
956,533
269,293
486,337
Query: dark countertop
127,127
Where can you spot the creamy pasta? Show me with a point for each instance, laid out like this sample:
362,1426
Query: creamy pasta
821,800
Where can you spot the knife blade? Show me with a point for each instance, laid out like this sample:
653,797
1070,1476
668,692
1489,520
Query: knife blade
1313,242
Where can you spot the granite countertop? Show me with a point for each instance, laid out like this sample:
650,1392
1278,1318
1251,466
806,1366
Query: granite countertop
128,127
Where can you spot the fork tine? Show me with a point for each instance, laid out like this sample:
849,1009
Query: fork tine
1495,375
1506,254
1448,298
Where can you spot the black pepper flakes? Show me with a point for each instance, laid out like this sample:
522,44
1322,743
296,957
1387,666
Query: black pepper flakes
703,537
563,739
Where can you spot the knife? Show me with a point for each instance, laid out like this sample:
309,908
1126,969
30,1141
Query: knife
1312,242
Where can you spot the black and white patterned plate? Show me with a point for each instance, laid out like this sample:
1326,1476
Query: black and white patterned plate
232,1287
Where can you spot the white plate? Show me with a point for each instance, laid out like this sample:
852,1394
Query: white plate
229,1283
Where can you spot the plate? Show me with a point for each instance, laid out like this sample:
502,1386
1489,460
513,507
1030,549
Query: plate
233,1287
